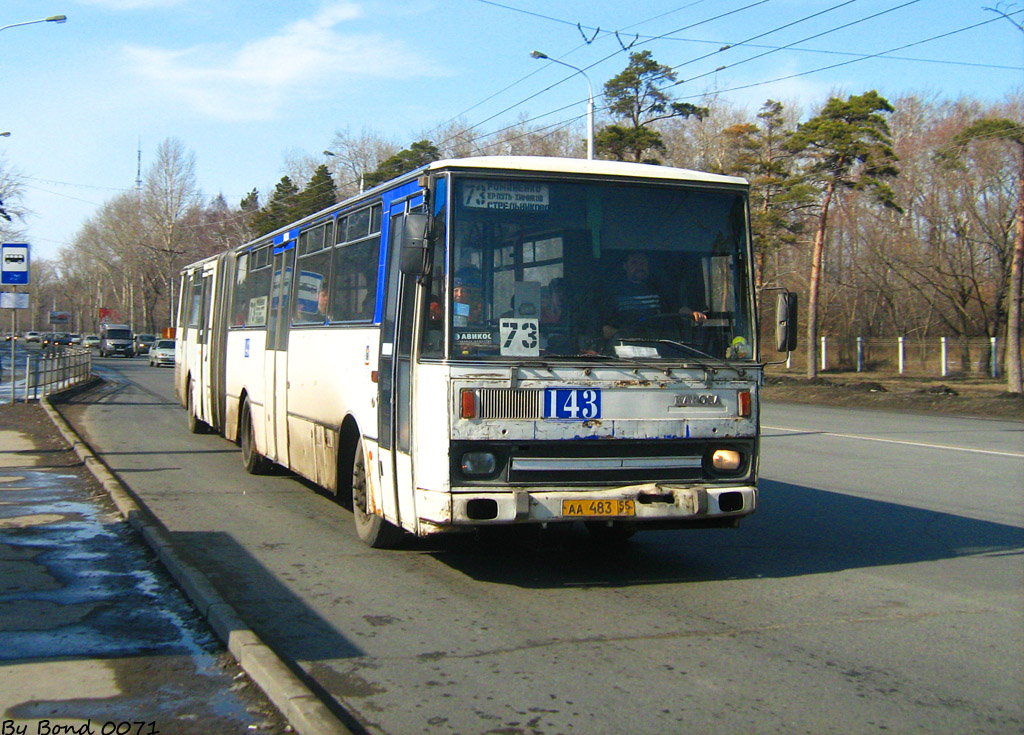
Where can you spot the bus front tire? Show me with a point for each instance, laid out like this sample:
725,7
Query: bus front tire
254,462
373,530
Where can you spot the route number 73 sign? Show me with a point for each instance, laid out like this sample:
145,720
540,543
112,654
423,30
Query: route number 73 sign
519,337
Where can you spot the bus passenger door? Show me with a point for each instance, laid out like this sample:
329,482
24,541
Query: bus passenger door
203,380
275,357
395,382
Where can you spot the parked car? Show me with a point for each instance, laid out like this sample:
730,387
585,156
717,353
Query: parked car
91,340
143,342
162,353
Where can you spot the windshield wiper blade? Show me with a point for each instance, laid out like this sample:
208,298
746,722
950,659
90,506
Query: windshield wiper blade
687,348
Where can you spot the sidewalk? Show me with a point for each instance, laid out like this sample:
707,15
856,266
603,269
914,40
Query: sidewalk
93,631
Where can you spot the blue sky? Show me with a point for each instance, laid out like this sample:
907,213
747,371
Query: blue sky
246,84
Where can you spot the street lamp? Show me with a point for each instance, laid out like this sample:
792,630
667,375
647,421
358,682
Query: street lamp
590,101
51,19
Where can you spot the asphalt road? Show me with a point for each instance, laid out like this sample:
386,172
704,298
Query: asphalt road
880,587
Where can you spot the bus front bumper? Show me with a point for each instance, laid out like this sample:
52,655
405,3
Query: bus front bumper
654,504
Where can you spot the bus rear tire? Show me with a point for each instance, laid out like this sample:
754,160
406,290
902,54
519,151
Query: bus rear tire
373,530
254,462
195,425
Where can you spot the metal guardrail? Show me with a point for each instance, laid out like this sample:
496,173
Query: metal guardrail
934,357
34,374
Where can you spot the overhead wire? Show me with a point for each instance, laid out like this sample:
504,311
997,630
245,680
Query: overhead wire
861,57
609,56
692,25
803,40
857,60
667,36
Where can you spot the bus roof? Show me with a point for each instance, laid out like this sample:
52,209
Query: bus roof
583,166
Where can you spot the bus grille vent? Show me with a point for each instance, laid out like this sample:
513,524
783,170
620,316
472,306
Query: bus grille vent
509,403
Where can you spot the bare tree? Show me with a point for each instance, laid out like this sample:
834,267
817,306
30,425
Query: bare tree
995,132
11,209
170,192
353,156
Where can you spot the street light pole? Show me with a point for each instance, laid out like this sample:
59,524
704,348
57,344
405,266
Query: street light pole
51,19
590,100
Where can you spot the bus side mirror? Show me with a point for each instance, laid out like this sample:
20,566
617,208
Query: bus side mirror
785,322
414,242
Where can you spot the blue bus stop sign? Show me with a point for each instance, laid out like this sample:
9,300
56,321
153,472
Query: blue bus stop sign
14,262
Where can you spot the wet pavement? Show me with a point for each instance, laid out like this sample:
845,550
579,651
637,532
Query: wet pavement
94,635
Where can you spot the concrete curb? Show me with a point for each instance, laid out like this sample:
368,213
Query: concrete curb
297,702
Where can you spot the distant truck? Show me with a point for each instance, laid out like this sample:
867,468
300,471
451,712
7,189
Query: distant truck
116,339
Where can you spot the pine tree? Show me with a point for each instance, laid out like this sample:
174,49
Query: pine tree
759,154
847,146
418,154
280,210
319,193
637,96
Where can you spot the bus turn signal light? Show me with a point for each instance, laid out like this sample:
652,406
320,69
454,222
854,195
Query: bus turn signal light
745,406
468,404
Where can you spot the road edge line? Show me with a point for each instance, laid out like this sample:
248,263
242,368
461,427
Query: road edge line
303,709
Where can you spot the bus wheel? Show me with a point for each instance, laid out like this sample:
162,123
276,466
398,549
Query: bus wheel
615,532
254,462
373,530
195,425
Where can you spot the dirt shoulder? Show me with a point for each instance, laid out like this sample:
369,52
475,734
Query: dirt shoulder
975,397
31,420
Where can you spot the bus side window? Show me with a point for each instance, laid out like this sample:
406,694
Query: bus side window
240,293
311,298
252,284
355,280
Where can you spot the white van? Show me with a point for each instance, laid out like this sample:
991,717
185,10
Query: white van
116,339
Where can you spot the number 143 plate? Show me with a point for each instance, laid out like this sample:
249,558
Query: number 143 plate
572,404
598,508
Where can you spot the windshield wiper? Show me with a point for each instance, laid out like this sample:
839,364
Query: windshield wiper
687,348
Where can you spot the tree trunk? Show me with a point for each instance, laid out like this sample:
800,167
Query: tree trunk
815,285
1012,365
145,306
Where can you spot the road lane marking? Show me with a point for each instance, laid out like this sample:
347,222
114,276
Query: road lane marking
924,445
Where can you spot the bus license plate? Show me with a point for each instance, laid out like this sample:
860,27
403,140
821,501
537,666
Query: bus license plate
598,508
572,404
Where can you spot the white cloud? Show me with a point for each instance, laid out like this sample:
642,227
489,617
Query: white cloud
303,59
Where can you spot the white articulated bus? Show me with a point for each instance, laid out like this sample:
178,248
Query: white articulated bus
494,340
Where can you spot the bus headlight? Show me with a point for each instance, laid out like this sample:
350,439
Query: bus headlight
479,464
726,460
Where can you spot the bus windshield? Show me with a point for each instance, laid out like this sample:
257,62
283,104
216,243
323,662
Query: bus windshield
549,269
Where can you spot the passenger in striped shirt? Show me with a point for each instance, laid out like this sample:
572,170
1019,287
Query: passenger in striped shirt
636,298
